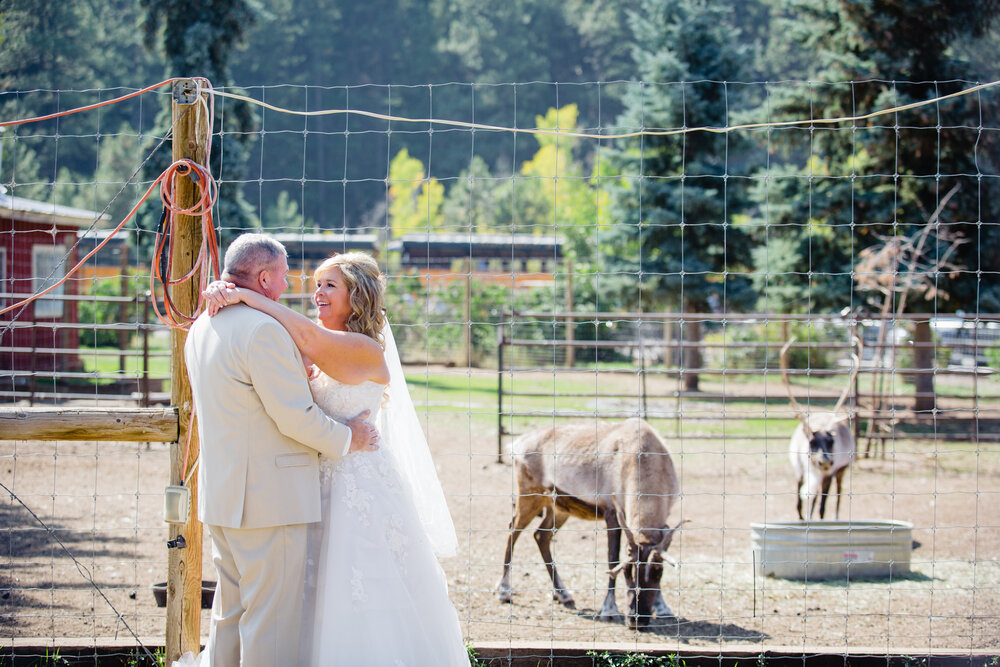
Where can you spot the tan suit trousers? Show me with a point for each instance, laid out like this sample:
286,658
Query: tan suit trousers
259,598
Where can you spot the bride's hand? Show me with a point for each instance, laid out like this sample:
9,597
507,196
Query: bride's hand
220,294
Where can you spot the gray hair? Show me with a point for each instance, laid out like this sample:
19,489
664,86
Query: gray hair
249,254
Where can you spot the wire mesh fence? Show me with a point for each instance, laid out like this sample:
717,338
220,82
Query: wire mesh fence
517,307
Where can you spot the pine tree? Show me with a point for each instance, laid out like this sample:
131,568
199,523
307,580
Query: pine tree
60,55
845,187
198,39
851,187
674,242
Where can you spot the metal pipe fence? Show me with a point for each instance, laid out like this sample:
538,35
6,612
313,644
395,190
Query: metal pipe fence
647,346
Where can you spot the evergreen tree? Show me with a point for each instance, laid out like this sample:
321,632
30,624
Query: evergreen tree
530,55
198,38
675,244
283,215
845,187
378,55
470,204
55,56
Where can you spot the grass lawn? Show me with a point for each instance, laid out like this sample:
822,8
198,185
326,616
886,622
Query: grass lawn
105,362
728,407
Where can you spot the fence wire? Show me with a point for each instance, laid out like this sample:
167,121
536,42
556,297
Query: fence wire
535,280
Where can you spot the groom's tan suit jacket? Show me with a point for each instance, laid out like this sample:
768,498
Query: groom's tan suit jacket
261,436
260,429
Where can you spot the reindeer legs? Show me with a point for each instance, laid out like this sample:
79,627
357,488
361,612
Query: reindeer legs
553,520
609,609
840,481
798,493
824,493
525,509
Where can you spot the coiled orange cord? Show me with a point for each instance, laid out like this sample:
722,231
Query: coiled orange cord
208,256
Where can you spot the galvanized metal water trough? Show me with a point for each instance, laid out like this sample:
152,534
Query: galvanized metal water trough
832,549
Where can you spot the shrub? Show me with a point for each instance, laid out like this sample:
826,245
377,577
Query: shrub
102,312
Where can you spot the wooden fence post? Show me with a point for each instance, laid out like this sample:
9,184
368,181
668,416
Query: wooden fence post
184,564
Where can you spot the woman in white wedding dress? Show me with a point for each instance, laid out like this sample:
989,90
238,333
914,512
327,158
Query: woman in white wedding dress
375,592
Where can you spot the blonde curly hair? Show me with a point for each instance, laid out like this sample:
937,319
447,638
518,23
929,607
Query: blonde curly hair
366,285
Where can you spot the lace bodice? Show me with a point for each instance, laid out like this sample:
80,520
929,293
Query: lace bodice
344,401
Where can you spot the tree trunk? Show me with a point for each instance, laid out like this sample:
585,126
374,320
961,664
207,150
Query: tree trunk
923,363
692,354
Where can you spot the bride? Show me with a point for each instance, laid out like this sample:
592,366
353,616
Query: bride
375,592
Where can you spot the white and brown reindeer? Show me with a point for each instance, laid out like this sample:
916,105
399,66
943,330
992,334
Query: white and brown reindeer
822,447
617,471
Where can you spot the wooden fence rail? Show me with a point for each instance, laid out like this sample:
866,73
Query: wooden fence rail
96,424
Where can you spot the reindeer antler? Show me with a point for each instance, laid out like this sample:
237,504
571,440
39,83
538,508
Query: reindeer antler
799,412
855,367
669,532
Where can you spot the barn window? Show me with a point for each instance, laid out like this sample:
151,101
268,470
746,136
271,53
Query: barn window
4,286
48,264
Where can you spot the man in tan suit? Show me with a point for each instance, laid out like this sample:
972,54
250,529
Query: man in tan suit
261,434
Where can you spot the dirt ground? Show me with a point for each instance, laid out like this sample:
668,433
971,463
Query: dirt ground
104,501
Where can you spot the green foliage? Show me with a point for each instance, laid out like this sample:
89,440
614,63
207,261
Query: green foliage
413,46
117,157
414,200
673,238
552,194
54,50
198,38
283,215
531,41
827,193
20,171
992,359
607,659
471,202
53,658
97,311
473,656
159,657
572,202
434,319
738,356
883,177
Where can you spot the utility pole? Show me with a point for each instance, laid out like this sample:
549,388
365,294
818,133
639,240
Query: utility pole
190,140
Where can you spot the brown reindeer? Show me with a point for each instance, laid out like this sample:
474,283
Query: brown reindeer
822,447
617,471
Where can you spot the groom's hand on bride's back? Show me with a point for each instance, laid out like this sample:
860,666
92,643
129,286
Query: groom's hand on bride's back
364,436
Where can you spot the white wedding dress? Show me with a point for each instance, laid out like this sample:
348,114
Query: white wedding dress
381,597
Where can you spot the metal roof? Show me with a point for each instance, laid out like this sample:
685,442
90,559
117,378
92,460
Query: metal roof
509,240
30,210
325,238
442,247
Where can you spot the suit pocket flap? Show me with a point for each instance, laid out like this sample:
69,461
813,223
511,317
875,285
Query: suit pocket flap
293,460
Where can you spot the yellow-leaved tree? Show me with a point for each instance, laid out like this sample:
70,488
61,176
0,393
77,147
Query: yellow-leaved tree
414,200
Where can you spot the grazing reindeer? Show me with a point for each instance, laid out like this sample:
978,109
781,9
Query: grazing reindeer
822,447
619,471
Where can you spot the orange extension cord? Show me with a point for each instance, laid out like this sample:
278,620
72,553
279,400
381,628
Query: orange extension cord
208,257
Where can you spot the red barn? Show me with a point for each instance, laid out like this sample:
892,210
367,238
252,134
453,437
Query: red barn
36,249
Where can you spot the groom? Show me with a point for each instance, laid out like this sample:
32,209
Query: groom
261,434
